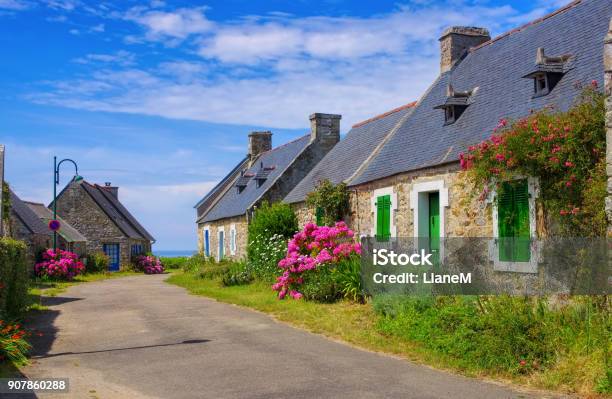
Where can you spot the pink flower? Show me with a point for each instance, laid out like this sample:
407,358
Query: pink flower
569,164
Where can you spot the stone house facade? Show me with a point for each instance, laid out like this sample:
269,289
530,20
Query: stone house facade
96,212
266,174
411,184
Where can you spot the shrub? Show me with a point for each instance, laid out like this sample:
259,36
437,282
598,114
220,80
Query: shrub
174,263
270,225
347,276
236,274
194,263
13,344
149,264
319,285
314,249
59,264
332,200
269,251
566,150
97,262
13,278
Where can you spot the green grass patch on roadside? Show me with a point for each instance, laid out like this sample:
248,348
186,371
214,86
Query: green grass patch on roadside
574,370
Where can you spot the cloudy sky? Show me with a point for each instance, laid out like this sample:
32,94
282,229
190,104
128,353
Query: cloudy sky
158,97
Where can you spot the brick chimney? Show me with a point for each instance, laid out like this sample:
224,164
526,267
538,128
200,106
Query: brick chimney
112,189
325,130
456,41
259,142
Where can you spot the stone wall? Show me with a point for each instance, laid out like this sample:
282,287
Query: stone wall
466,215
304,213
36,243
241,225
76,207
608,91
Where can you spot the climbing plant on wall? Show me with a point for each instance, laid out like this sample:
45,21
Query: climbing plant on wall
565,150
330,202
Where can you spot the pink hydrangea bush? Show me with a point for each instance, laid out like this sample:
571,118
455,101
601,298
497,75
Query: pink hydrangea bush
59,264
310,249
149,264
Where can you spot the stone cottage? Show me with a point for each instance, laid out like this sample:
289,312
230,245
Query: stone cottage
68,238
266,174
26,226
96,212
412,184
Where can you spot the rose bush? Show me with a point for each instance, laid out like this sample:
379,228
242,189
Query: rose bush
149,264
59,264
313,248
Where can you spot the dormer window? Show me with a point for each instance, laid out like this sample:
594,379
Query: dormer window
548,72
262,174
242,181
455,104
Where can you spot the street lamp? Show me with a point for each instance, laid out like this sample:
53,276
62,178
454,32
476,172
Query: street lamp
56,167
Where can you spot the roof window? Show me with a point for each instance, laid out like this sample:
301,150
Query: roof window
548,72
455,104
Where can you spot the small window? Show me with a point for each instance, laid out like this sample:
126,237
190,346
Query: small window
450,114
233,240
513,222
541,84
383,217
137,250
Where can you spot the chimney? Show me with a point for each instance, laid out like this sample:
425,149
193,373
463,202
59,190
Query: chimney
259,142
111,189
456,41
325,129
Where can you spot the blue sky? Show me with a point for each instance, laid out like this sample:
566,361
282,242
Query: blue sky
158,97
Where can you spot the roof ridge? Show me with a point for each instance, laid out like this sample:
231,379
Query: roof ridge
394,110
528,24
283,145
33,203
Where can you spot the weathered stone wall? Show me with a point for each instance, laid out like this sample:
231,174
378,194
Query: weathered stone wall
608,91
214,227
456,40
76,207
36,243
466,215
304,213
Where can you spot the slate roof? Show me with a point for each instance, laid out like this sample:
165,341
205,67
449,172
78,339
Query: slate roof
216,191
350,154
45,214
30,220
497,68
233,203
124,220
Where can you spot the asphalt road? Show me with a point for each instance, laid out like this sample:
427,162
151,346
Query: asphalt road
138,337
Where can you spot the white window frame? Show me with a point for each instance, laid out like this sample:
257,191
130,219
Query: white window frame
533,187
204,243
233,239
220,230
394,205
419,194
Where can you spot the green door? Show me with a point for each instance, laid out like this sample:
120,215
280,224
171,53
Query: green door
434,224
383,217
513,222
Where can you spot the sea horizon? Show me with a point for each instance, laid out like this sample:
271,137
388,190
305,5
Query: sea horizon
174,253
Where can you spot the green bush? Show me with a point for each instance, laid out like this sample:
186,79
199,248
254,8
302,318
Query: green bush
331,200
271,227
347,276
211,270
13,278
320,285
515,335
195,263
97,262
236,274
174,263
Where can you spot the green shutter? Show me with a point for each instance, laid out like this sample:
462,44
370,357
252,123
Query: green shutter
383,217
319,215
513,222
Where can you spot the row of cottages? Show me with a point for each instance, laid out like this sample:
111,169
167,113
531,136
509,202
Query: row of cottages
265,174
402,167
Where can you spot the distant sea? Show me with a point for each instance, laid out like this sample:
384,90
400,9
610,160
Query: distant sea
174,253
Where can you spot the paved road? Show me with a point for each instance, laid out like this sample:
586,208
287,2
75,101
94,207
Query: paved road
138,337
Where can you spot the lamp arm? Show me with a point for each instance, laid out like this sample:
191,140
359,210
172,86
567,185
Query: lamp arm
76,168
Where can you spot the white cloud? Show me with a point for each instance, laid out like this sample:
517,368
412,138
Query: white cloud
75,32
121,57
177,24
14,5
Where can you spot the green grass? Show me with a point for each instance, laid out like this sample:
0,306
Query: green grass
573,371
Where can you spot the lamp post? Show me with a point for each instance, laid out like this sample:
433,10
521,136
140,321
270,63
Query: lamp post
56,166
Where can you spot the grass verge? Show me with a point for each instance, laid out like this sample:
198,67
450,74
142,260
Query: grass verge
359,325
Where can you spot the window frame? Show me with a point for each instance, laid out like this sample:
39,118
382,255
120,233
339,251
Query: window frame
233,239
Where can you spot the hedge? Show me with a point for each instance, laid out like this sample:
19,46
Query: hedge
13,277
